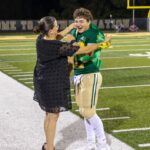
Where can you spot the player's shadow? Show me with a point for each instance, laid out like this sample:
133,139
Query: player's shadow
73,133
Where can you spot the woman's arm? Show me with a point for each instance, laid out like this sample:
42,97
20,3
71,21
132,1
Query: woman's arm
66,30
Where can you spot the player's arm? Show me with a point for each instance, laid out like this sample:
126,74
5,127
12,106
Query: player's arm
93,47
87,49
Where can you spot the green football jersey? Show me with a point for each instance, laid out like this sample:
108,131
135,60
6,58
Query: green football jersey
88,63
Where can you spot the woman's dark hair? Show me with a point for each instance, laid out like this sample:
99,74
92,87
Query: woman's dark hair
44,25
84,13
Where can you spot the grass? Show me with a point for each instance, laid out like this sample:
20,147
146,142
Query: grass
118,69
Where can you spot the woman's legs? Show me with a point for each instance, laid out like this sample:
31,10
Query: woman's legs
50,128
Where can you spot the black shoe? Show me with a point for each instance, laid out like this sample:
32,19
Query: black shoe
43,147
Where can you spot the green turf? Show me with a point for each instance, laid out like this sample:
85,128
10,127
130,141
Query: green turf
118,69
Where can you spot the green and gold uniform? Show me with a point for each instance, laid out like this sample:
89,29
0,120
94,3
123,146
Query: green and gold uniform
90,63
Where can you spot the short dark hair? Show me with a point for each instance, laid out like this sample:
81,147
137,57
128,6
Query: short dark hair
44,25
84,13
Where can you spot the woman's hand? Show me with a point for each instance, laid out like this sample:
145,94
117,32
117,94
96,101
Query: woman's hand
71,26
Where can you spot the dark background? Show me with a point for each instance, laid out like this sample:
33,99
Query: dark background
63,9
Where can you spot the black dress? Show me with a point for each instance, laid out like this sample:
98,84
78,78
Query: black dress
51,75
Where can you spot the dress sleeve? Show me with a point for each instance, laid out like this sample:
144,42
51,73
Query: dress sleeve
67,49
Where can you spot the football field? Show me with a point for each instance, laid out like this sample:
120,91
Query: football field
124,98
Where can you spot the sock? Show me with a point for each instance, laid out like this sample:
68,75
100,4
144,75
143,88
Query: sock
89,132
97,125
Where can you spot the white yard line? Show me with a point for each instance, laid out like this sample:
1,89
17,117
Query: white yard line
30,82
130,42
23,75
120,68
15,45
98,109
24,79
17,54
19,73
124,50
123,57
144,145
131,45
128,86
20,49
101,109
116,118
130,130
11,70
8,61
8,67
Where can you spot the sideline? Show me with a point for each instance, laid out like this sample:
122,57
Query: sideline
22,122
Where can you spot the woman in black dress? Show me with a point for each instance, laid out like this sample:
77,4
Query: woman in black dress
51,74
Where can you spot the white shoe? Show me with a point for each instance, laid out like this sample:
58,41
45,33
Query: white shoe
102,147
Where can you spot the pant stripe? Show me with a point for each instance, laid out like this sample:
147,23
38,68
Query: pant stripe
94,90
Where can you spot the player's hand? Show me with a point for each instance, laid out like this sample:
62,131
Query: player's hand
108,37
106,43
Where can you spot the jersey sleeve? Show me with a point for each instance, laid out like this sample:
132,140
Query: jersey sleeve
100,37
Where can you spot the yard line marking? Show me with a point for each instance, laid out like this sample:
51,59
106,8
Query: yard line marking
116,118
19,61
73,102
23,75
144,145
24,79
20,72
131,45
20,49
123,42
124,50
14,45
7,70
120,68
30,82
123,57
130,130
8,67
29,72
72,95
99,109
128,86
11,69
17,54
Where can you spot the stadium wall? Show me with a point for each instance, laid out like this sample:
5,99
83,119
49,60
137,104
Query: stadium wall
104,24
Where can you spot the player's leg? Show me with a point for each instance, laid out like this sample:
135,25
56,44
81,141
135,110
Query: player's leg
83,99
89,95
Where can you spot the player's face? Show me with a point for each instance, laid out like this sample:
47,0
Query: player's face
81,24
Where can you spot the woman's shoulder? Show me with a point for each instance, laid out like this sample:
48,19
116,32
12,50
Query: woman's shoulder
40,38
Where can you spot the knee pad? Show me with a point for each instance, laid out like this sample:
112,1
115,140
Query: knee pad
87,112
